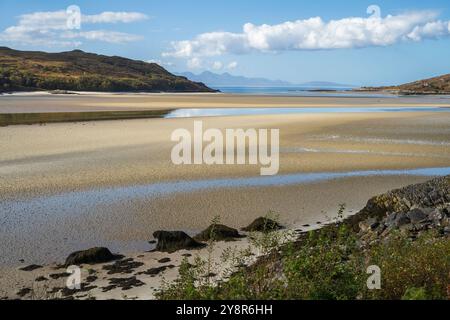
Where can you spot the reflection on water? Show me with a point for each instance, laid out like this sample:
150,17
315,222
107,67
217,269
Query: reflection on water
371,152
80,202
379,140
212,112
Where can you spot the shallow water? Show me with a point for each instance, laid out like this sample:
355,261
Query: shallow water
73,203
47,228
214,112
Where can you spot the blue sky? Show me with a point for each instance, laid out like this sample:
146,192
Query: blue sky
209,35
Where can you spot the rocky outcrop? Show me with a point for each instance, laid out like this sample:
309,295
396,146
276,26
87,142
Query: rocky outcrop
263,224
218,232
171,241
431,194
90,256
409,210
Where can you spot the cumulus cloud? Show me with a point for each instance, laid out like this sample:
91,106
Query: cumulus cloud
315,34
52,28
217,65
194,63
232,65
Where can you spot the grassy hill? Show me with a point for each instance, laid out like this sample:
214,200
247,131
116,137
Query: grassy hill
436,85
81,71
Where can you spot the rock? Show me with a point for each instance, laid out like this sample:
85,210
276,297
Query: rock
40,279
262,225
396,220
164,260
23,292
436,216
155,271
59,275
171,241
219,232
31,267
90,256
124,283
417,215
369,224
125,266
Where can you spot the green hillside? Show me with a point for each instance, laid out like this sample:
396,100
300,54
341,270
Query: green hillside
81,71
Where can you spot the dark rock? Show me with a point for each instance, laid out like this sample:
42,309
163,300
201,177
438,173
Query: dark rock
164,260
417,215
262,225
59,275
396,220
40,279
155,271
447,230
123,266
171,241
187,255
123,283
70,292
91,278
218,232
23,292
90,256
31,267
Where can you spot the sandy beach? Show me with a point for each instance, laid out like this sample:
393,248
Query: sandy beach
53,175
24,102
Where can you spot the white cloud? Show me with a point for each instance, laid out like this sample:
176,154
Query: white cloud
217,65
52,29
114,17
194,63
315,34
232,65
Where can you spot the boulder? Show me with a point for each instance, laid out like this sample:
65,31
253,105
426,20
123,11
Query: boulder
369,224
171,241
417,215
90,256
262,225
396,220
218,232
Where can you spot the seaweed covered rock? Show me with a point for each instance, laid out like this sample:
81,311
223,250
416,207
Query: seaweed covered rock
171,241
90,256
263,224
218,232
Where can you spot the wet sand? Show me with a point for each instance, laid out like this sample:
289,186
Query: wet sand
42,102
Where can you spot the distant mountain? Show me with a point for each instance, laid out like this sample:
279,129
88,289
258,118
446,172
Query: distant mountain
436,85
81,71
227,80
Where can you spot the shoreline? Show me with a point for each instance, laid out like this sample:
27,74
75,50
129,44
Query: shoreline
140,275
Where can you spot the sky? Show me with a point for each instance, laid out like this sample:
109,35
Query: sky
352,42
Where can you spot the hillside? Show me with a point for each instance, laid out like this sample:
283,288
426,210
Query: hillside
436,85
81,71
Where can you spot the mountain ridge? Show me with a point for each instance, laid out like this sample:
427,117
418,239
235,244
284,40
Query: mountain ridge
228,80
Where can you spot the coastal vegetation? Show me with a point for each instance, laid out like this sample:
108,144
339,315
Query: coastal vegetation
435,85
410,246
81,71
